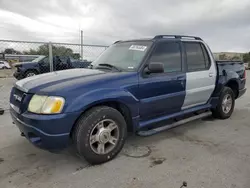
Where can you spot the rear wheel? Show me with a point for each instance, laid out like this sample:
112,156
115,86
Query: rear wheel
100,134
225,105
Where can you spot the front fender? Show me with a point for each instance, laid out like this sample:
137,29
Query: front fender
98,96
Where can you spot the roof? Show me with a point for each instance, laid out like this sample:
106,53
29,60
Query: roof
160,37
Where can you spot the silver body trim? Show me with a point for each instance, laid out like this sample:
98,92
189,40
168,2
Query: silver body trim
200,84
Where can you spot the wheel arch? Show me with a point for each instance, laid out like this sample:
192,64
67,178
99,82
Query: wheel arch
31,70
118,105
234,85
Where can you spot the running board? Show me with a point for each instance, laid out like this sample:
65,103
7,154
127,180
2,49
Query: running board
175,124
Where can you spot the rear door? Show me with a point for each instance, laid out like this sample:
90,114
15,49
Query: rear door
201,74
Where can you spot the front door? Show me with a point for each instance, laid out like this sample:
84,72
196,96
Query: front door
201,74
163,93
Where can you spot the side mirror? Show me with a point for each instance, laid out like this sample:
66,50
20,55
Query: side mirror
155,67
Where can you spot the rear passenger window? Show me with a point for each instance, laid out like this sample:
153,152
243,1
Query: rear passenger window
206,56
169,54
197,58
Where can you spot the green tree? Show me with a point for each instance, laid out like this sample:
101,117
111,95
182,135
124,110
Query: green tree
236,58
56,50
11,51
76,56
222,57
246,57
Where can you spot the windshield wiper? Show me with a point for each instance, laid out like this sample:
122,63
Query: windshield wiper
109,66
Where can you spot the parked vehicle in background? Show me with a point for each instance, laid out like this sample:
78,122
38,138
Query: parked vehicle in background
4,65
246,65
143,86
41,65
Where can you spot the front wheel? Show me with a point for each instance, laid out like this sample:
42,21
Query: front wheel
30,73
225,105
100,134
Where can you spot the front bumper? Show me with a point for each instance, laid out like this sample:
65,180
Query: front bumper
242,92
49,132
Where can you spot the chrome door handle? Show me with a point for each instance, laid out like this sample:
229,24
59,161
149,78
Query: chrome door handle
182,83
211,74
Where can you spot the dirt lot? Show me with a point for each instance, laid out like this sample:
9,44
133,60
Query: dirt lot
206,153
4,73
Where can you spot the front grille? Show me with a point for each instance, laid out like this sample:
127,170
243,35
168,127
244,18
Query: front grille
16,99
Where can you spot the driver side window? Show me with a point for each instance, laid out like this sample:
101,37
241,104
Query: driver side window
169,54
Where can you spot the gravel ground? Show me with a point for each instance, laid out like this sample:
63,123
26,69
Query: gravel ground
206,153
5,87
6,73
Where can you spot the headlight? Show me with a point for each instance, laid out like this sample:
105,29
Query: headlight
46,105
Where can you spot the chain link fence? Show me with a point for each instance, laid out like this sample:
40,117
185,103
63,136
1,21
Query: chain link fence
24,59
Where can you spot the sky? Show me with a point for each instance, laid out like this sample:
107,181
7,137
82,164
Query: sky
224,24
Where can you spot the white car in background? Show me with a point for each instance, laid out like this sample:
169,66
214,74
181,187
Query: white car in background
246,65
4,65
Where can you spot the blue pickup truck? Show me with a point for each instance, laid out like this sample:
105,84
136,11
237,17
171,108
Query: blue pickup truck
142,86
41,65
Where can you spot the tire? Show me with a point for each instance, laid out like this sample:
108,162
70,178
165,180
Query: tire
220,111
1,111
30,73
93,124
19,78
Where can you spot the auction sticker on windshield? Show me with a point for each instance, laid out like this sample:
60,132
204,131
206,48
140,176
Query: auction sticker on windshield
138,47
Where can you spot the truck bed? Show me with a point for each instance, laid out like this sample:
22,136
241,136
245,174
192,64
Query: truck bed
231,66
233,71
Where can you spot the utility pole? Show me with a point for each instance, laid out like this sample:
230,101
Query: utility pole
82,44
51,57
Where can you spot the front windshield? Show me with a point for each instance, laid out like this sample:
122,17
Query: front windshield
126,56
38,59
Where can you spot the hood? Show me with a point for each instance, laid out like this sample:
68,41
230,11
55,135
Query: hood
67,81
54,79
29,63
